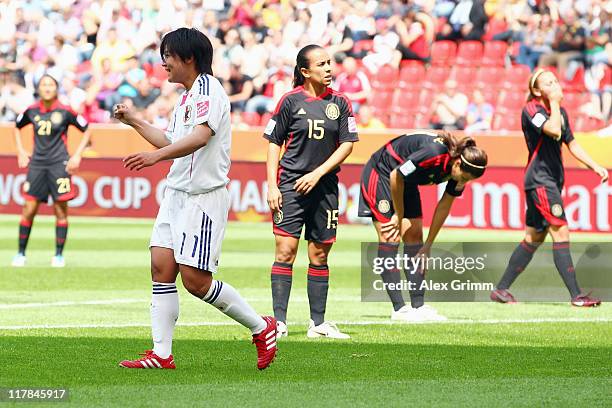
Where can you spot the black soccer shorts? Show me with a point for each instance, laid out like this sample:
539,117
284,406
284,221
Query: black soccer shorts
544,208
375,199
52,180
317,210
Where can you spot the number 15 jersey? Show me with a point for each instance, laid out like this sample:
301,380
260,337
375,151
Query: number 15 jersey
311,128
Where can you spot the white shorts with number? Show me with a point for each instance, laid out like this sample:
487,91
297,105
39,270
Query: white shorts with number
193,226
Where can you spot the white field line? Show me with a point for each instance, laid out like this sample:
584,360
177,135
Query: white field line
68,303
345,323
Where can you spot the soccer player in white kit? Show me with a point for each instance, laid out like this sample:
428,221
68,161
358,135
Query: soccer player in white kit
191,221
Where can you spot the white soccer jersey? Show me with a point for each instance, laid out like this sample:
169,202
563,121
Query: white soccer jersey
207,168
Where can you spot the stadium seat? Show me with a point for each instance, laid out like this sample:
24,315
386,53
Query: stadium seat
443,53
494,26
490,94
405,101
508,121
158,76
494,54
380,101
435,76
575,84
588,124
385,78
464,75
265,118
251,118
362,46
469,53
411,76
402,121
517,77
487,77
511,100
572,101
426,99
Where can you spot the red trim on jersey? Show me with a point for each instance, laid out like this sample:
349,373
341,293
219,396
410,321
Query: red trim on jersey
278,231
318,272
327,241
65,140
544,207
184,99
288,142
535,153
62,223
28,197
278,174
435,161
343,96
371,200
25,223
393,153
281,270
282,99
327,91
69,195
533,105
55,105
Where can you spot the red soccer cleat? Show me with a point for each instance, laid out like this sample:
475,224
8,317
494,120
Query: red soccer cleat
585,301
266,343
149,360
502,296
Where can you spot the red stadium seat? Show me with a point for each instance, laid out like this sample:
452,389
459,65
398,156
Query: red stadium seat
426,99
494,54
443,53
572,101
402,121
494,26
517,77
385,78
576,83
436,76
487,77
265,118
405,101
363,46
411,76
509,121
158,76
490,94
251,118
511,100
380,101
588,124
464,75
469,53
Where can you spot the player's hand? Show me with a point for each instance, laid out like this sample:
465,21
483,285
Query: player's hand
275,199
23,159
391,230
423,254
122,113
601,172
306,183
138,161
73,164
556,94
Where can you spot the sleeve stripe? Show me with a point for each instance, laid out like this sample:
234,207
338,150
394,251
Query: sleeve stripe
434,161
282,99
348,102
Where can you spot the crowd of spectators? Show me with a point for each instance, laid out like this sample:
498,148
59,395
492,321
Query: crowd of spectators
105,52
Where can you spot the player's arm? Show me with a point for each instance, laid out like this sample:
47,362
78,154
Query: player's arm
552,127
23,157
150,133
578,152
439,217
197,139
392,229
75,160
275,198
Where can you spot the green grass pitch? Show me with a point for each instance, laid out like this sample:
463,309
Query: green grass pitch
69,328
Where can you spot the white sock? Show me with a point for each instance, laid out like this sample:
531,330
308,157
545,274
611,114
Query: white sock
225,298
164,313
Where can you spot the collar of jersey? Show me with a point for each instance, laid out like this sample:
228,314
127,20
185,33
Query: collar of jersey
43,109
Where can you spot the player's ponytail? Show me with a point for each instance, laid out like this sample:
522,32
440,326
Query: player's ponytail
302,62
473,159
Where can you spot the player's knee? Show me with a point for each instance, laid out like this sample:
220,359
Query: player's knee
197,287
413,237
559,233
285,253
318,257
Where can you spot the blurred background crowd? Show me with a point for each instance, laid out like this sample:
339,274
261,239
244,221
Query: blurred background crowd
456,64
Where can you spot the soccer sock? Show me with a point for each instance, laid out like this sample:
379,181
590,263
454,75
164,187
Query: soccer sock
25,227
164,313
281,289
565,266
414,276
318,284
61,231
391,276
225,298
519,260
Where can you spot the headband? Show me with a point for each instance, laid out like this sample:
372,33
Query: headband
464,160
534,78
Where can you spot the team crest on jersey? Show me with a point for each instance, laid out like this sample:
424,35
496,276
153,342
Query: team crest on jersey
556,210
332,111
384,206
187,114
26,186
278,217
36,118
56,118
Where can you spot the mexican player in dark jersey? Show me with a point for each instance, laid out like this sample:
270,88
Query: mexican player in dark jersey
50,166
546,126
317,128
390,196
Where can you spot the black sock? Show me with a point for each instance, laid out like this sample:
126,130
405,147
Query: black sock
519,260
565,266
318,284
281,289
417,296
25,227
61,231
391,276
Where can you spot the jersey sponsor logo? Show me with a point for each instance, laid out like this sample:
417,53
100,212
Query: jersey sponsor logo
352,124
187,116
332,111
384,206
81,121
407,168
538,120
270,127
202,108
556,210
301,111
56,118
278,217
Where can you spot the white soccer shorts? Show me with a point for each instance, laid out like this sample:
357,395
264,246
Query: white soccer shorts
192,225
